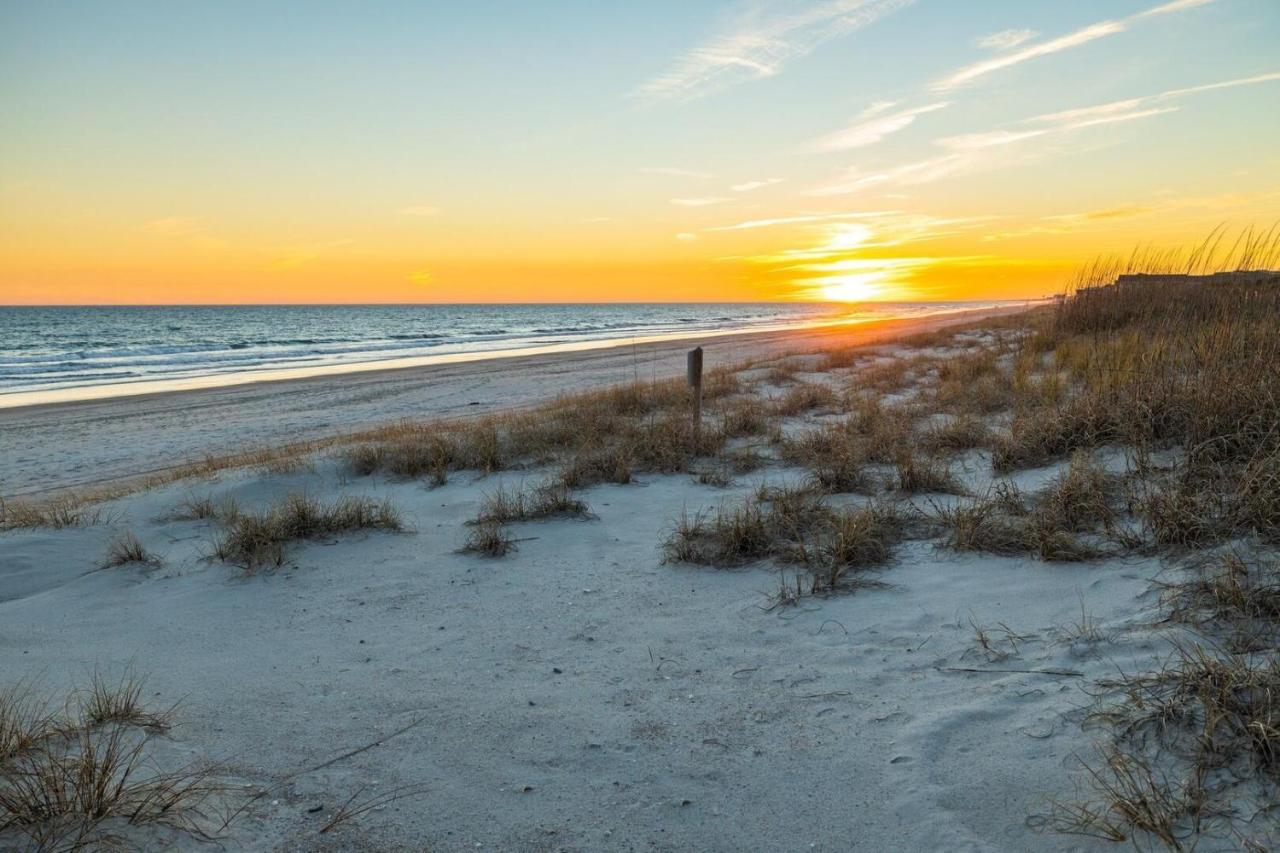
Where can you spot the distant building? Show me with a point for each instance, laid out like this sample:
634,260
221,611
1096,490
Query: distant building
1166,279
1137,281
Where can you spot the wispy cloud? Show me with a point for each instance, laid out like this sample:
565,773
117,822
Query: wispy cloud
916,172
1006,39
801,219
759,42
1064,223
698,202
1125,212
987,66
970,151
871,130
1141,107
1080,37
674,172
1175,6
748,186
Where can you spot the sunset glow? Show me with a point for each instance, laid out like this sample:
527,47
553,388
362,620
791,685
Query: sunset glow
849,150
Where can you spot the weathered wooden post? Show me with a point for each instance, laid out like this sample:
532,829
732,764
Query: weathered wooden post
695,382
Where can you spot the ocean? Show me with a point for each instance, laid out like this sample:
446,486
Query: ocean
58,348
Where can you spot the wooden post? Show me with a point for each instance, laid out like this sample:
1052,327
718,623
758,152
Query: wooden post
695,382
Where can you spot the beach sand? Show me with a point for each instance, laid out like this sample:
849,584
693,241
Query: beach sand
86,443
578,694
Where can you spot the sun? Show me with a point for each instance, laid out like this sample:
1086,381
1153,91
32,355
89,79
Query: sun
857,287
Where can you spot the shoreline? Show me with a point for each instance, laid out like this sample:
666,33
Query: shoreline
83,444
265,373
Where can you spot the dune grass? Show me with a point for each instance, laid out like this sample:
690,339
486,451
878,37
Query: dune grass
489,539
1187,373
256,540
791,526
125,549
518,503
72,782
57,513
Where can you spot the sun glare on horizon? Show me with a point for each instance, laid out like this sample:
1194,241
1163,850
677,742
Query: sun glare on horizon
858,287
742,151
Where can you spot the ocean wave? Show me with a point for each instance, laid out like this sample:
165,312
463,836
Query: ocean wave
51,347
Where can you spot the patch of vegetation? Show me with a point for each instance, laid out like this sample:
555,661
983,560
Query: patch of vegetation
254,540
125,549
77,783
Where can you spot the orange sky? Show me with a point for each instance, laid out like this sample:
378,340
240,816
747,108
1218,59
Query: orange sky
908,152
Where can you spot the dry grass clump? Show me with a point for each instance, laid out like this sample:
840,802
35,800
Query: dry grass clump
205,507
1235,596
1037,436
1080,499
782,373
1131,797
858,539
120,701
999,523
489,539
417,453
731,536
914,473
893,374
125,549
549,500
984,523
71,784
645,424
962,432
671,443
745,416
590,467
1183,365
57,513
791,525
837,454
253,540
805,397
1209,717
25,720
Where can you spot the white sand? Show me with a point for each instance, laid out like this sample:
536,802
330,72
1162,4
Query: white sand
579,694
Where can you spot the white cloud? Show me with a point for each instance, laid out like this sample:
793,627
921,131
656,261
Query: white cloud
971,151
1079,37
801,219
1175,6
748,186
697,202
1225,84
875,108
759,42
1006,39
872,130
917,172
674,172
686,237
981,69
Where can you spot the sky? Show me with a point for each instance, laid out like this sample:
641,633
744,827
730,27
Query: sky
609,150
